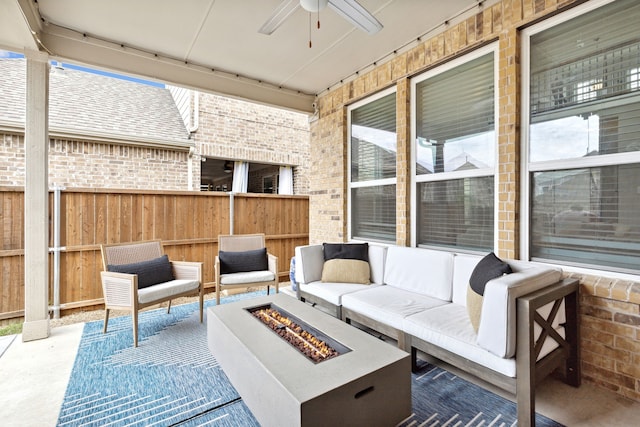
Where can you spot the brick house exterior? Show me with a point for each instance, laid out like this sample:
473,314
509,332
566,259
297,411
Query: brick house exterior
112,133
610,307
234,129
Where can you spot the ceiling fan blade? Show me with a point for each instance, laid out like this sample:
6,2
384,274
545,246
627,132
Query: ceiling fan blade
353,12
282,12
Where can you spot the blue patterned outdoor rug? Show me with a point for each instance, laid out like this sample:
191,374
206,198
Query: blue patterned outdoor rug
441,398
172,379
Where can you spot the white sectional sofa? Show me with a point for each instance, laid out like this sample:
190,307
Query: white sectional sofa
528,326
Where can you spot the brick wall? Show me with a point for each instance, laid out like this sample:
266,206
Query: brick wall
229,129
610,309
239,130
11,160
610,316
98,165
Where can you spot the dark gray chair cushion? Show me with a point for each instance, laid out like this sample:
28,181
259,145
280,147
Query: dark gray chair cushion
238,262
152,272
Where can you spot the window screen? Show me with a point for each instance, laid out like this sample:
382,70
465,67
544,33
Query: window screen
374,140
584,85
455,156
373,213
373,152
584,111
457,213
455,126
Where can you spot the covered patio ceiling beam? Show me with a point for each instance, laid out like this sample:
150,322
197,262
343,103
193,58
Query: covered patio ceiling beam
63,43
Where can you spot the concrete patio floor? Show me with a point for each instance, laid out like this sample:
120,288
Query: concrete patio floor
34,375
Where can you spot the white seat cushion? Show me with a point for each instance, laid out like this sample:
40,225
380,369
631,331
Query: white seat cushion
166,289
388,304
424,271
246,277
449,327
333,292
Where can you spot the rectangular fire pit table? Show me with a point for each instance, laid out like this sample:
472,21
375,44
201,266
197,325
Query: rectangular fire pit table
368,384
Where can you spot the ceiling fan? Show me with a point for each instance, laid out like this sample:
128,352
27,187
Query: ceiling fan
350,10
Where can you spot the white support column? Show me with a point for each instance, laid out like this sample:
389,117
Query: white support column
36,195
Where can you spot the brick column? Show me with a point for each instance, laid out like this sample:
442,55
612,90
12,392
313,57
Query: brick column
508,125
403,163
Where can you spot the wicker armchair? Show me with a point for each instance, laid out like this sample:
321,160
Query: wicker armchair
121,291
243,243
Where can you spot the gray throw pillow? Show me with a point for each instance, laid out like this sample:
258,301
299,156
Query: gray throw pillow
151,272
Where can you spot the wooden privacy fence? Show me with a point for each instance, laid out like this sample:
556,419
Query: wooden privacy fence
187,222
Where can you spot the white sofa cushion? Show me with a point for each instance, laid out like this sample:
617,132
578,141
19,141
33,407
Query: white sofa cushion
309,263
333,292
388,304
463,266
166,289
497,331
377,259
424,271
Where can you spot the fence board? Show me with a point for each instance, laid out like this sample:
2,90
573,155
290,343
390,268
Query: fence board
100,216
188,223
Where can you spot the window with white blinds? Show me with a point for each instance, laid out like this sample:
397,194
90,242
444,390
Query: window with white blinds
372,172
454,153
584,139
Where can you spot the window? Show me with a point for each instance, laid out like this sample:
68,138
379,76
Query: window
454,153
372,172
268,185
218,175
583,140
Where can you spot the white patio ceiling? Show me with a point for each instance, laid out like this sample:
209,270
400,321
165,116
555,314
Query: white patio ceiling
214,45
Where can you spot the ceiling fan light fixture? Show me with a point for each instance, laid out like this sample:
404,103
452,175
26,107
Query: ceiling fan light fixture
313,5
350,10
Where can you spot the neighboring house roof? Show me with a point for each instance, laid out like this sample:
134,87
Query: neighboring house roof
94,103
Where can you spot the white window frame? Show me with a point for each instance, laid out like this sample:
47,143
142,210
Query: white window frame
634,78
447,176
526,168
370,183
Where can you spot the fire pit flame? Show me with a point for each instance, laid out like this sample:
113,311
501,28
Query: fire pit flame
299,336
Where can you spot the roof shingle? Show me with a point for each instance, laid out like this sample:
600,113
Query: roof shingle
90,102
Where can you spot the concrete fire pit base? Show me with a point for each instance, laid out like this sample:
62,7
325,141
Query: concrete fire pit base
367,386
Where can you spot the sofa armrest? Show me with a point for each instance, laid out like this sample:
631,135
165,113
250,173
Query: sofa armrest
309,263
497,330
535,329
